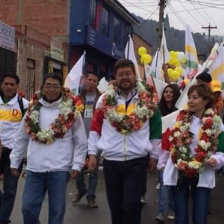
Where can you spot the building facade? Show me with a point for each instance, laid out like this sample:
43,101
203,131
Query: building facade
51,35
41,40
101,28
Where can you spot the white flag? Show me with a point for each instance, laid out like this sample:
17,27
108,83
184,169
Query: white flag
154,68
129,53
217,68
73,78
103,85
191,54
164,53
161,57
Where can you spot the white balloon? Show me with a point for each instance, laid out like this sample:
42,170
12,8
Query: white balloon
181,55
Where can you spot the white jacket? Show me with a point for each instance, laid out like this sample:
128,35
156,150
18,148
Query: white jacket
62,155
10,119
120,147
207,177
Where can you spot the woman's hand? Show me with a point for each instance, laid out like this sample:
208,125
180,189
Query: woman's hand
211,162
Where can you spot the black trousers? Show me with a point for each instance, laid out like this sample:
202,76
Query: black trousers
7,197
124,182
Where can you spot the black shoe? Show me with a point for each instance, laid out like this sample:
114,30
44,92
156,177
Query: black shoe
92,204
78,197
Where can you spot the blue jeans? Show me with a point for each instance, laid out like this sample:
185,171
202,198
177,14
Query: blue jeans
166,202
36,186
200,198
92,182
7,198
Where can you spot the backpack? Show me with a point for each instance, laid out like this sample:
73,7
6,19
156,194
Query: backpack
20,102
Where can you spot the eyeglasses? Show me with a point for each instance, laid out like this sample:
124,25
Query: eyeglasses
126,74
52,86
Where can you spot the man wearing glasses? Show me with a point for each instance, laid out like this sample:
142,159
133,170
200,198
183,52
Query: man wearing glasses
54,135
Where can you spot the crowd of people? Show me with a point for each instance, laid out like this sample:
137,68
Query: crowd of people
63,135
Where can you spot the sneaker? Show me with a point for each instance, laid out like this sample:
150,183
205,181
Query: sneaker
92,204
143,200
78,197
170,215
160,218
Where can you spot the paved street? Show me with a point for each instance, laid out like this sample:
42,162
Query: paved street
80,214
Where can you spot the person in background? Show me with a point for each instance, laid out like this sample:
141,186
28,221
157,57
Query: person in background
216,87
193,159
204,77
54,137
89,96
125,134
169,98
167,103
12,108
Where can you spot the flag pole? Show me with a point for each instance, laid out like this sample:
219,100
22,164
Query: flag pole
129,36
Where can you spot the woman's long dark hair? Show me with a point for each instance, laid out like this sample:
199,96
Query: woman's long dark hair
162,103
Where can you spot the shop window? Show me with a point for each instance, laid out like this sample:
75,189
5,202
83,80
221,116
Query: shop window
30,78
116,30
92,13
104,21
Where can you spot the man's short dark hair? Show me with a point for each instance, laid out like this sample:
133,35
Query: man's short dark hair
53,76
124,63
12,76
205,77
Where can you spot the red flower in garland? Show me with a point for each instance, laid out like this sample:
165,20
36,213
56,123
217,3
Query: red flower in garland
180,140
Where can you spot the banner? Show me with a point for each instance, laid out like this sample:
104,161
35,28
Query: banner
7,37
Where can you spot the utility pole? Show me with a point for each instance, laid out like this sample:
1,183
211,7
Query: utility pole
209,27
162,5
20,11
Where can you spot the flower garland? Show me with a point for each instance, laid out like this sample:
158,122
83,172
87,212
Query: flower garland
69,110
143,111
181,138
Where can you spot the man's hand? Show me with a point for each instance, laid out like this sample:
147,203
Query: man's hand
74,174
152,164
92,162
14,172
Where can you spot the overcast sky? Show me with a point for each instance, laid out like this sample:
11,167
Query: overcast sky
195,13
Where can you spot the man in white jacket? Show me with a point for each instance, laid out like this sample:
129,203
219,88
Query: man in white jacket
54,136
126,126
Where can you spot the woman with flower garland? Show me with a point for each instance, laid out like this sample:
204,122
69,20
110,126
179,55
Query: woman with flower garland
54,136
193,157
126,126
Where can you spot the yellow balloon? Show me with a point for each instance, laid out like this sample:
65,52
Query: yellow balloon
179,70
173,54
176,62
146,58
170,72
175,75
142,51
171,61
176,54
